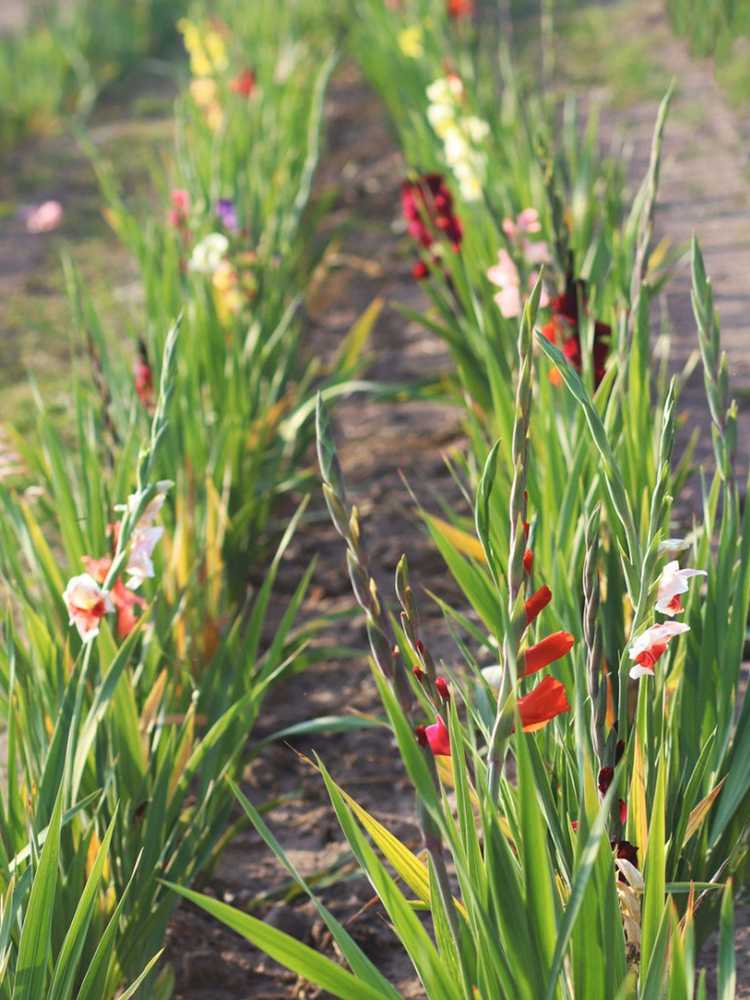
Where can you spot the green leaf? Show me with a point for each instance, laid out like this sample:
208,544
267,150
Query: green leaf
34,957
285,950
727,973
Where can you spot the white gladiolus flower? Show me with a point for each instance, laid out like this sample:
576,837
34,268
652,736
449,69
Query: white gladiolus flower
477,129
209,253
87,604
494,676
651,644
140,565
672,583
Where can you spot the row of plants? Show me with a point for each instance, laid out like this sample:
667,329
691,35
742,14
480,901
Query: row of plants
141,539
57,63
583,832
720,30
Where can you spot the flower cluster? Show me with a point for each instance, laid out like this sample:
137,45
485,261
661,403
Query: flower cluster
209,60
427,207
86,600
563,331
461,134
232,287
505,274
542,704
651,645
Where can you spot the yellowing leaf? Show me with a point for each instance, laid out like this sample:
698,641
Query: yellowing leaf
638,816
356,339
467,544
183,751
408,866
699,813
151,707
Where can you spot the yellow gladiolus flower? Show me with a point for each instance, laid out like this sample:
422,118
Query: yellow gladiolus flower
410,42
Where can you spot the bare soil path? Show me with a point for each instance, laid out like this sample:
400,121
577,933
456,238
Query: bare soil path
378,442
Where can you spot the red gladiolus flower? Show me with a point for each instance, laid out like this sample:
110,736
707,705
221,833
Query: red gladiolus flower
605,779
537,603
624,849
427,206
528,561
244,83
419,271
548,700
562,330
623,812
552,647
438,738
460,8
442,688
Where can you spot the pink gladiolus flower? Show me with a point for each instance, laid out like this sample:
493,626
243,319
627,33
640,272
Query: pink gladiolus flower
673,582
438,738
87,604
178,215
140,565
527,222
651,645
505,275
45,217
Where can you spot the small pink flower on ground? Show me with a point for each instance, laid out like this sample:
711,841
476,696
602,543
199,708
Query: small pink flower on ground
651,645
45,217
87,604
673,582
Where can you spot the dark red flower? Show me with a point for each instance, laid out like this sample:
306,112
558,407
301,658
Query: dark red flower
442,688
624,849
419,271
562,330
605,779
427,207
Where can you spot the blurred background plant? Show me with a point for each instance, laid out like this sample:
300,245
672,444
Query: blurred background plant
58,62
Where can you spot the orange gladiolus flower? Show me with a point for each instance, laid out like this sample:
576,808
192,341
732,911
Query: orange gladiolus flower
548,700
552,647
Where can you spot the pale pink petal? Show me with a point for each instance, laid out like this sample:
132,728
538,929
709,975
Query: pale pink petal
45,217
